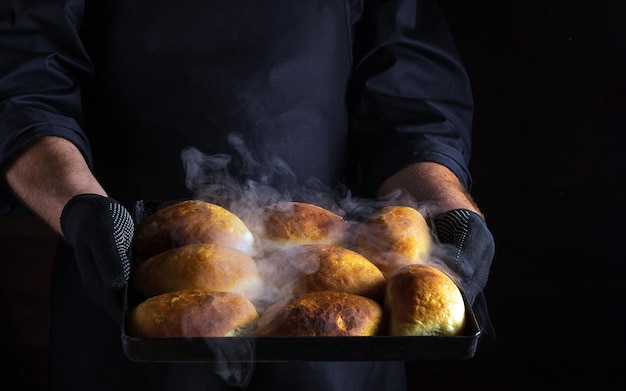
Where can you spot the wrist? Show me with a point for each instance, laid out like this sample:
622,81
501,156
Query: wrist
46,174
431,184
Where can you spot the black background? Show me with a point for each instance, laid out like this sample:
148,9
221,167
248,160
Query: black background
549,162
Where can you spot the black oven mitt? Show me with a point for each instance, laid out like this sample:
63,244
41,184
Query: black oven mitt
472,248
100,230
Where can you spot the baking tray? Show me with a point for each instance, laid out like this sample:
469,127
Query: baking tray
284,349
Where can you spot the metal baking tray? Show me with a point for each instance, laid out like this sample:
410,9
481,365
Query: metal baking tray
284,349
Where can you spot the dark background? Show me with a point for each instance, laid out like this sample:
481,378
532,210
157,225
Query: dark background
549,161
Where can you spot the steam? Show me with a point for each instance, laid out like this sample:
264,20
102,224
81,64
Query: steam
261,180
234,360
264,181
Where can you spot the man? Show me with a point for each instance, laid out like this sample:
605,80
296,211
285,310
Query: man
98,99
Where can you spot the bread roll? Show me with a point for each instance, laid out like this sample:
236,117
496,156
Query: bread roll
423,300
318,314
327,267
202,266
295,223
191,222
192,313
394,236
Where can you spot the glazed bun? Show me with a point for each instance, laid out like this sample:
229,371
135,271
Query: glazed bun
287,224
327,267
394,236
423,300
192,313
202,266
318,314
191,222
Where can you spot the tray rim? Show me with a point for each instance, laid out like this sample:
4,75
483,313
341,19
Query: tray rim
288,349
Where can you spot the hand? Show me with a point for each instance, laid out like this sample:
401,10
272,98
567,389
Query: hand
473,248
101,231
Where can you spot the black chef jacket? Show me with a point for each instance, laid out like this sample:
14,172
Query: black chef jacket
291,92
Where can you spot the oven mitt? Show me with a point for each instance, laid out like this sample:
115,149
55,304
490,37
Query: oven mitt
472,249
100,230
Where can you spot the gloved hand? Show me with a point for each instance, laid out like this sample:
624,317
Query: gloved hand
101,231
473,248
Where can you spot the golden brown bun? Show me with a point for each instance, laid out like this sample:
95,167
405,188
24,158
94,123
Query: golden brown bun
327,267
296,223
191,222
203,266
394,236
423,300
192,313
317,314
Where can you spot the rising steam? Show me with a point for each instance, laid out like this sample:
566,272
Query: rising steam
209,178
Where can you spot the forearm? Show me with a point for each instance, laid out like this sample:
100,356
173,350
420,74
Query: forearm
47,174
431,183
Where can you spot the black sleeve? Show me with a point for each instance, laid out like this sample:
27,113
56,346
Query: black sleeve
410,97
42,60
